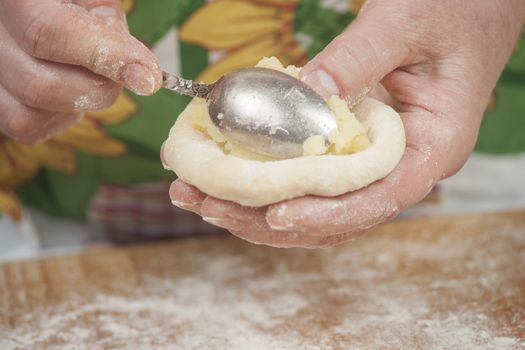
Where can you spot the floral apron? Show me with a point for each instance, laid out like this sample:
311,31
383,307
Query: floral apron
107,169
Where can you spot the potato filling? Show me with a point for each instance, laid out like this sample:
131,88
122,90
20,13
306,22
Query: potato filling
350,136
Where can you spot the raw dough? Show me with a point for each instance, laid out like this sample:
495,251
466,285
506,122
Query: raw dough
363,151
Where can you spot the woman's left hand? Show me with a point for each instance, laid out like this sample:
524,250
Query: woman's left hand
439,61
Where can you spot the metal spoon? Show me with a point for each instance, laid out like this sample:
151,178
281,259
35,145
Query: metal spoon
262,109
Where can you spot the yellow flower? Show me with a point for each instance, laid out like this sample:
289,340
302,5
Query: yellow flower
9,204
244,31
19,163
127,5
355,5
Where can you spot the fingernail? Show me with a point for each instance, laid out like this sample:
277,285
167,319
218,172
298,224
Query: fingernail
323,83
184,205
104,11
327,82
138,79
107,13
220,222
279,225
110,15
162,158
281,228
278,219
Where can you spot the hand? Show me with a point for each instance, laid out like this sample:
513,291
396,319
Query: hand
59,59
438,61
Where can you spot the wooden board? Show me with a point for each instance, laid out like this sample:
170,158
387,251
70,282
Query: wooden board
444,283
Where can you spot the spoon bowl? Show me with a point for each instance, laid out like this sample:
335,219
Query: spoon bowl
263,110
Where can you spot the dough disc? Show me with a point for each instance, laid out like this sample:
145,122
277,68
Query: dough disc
201,162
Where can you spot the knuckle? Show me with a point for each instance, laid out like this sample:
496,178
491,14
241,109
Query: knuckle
350,58
364,52
39,33
348,51
101,58
49,91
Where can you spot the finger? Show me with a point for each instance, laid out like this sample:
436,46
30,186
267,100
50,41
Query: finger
436,148
353,212
60,122
356,61
28,125
274,239
246,223
67,33
186,196
250,224
51,86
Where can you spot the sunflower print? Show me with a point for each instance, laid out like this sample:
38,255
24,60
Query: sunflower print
240,32
127,5
355,5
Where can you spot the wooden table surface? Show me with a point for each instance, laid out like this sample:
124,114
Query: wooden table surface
441,283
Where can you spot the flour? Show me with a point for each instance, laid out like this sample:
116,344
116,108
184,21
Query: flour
82,103
145,322
432,291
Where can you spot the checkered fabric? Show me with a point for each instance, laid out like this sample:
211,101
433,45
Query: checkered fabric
145,212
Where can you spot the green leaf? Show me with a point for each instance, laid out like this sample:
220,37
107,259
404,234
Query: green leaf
194,60
152,19
150,126
502,129
316,26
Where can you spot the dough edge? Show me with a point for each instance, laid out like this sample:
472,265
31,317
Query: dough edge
200,162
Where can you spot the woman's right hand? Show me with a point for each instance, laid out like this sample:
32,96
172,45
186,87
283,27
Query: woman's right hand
59,59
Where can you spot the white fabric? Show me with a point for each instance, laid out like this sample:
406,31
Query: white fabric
486,183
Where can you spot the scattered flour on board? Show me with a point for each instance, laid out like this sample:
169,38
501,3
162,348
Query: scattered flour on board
345,299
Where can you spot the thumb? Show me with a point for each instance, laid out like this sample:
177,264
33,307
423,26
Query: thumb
357,60
112,14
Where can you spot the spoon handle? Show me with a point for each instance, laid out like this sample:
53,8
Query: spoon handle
184,86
